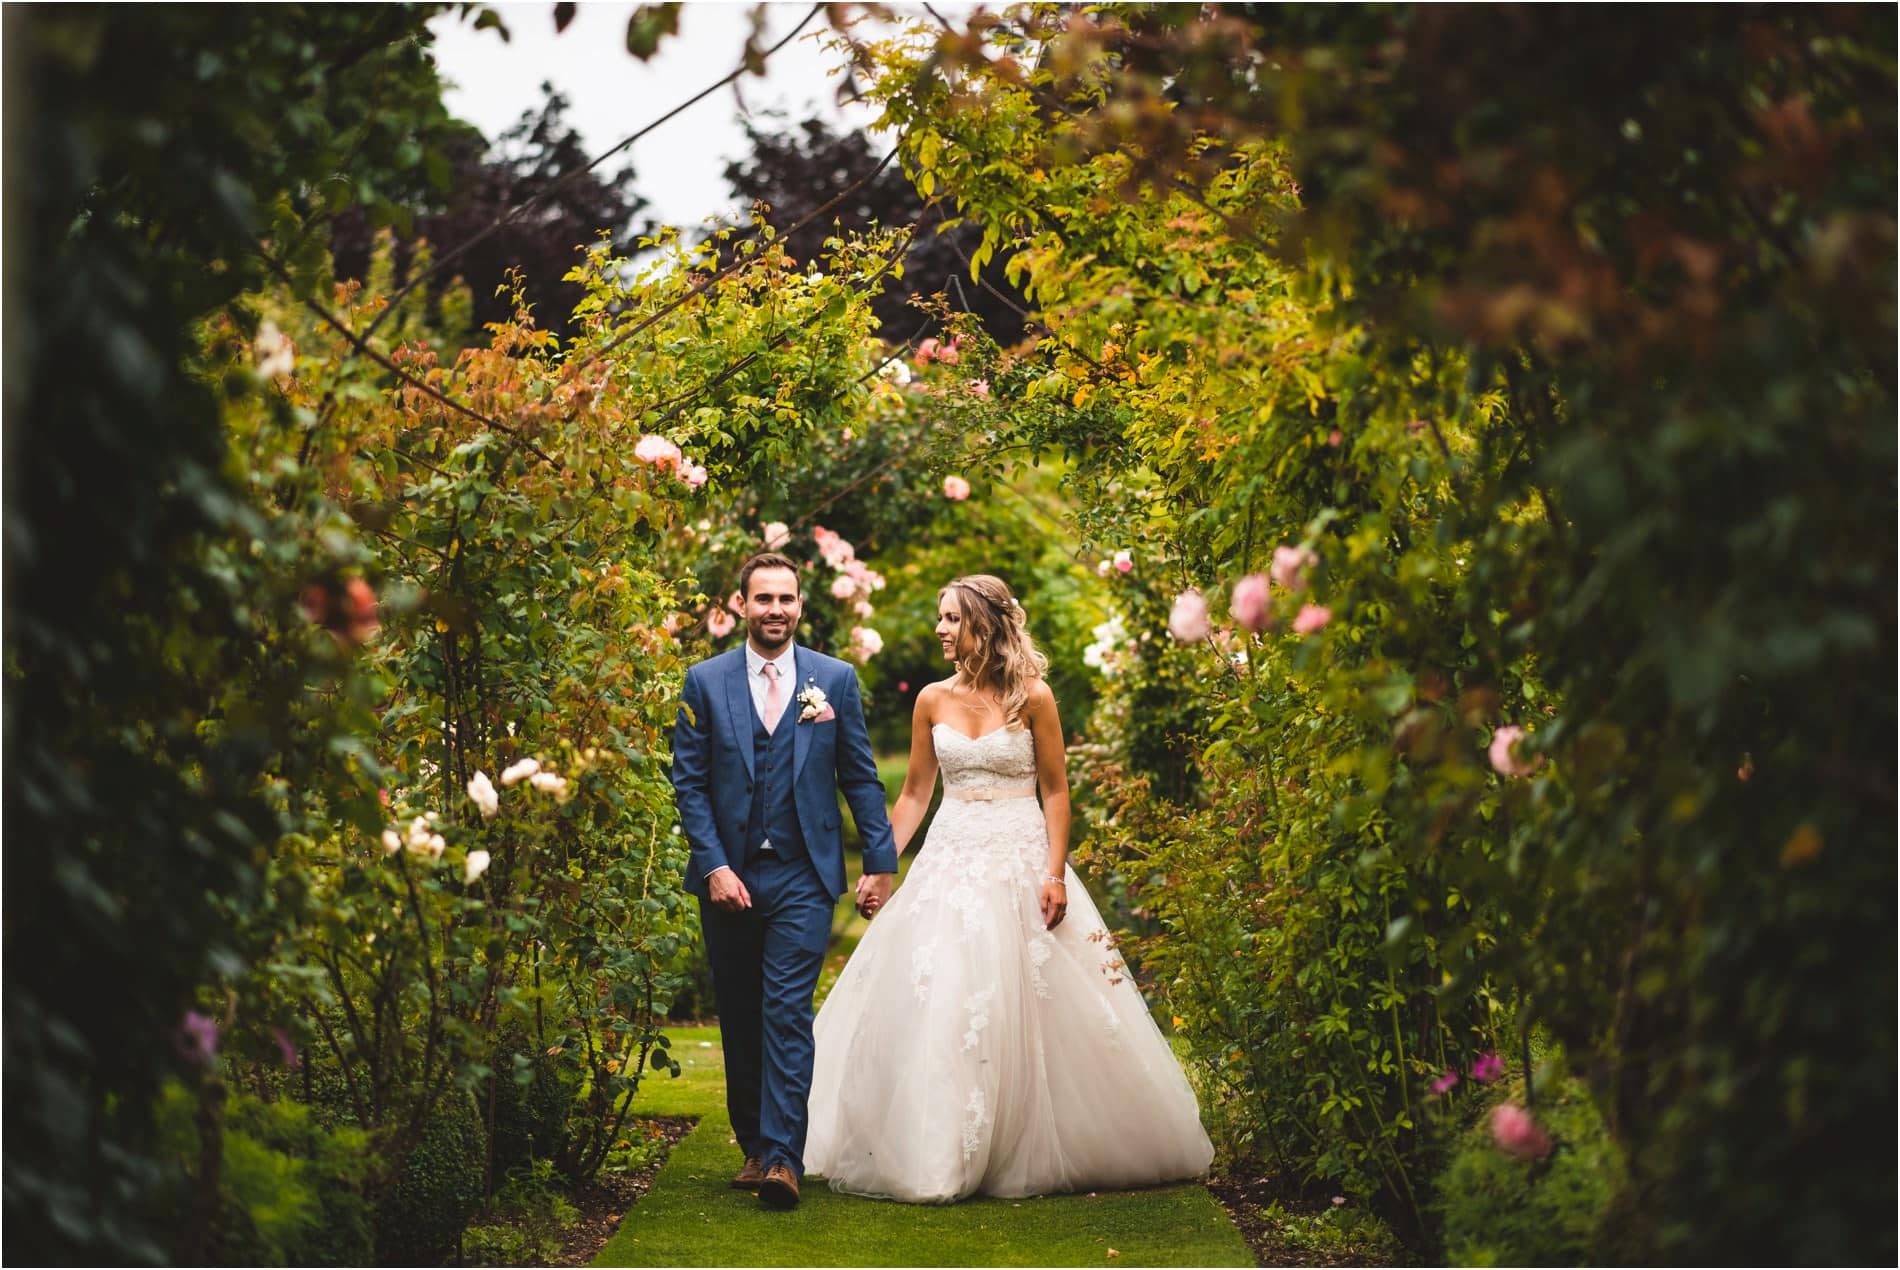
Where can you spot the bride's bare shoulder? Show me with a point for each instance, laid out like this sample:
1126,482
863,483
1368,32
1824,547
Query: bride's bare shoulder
1042,705
930,700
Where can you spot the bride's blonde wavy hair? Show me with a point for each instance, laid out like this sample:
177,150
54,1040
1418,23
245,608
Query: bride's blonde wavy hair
1001,657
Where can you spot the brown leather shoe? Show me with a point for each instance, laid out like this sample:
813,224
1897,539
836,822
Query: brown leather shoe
749,1177
780,1187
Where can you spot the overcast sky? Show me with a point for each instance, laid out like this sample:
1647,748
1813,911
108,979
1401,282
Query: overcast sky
678,167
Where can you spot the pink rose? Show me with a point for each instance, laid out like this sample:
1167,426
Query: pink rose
927,351
719,623
863,608
658,451
777,534
1103,568
1124,562
955,488
1188,621
1334,437
198,1037
948,354
1507,763
1487,1069
1251,607
981,387
692,473
359,610
843,588
1289,567
1311,618
865,644
1517,1134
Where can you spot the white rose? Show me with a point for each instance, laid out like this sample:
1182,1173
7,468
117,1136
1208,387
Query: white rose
474,866
549,783
481,792
273,351
392,842
515,773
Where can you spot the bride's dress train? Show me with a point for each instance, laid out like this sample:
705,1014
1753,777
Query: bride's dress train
965,1048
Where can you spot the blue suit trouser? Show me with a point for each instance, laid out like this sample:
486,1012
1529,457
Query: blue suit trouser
765,963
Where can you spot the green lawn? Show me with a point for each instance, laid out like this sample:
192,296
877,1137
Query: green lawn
692,1217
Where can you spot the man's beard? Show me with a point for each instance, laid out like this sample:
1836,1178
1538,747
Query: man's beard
755,627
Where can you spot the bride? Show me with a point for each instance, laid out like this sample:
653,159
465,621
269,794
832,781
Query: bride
986,1037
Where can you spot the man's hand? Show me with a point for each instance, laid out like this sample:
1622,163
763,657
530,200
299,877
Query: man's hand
873,890
727,891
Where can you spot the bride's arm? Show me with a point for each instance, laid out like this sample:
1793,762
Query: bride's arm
1052,781
920,780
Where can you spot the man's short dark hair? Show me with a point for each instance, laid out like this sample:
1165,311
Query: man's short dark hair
764,560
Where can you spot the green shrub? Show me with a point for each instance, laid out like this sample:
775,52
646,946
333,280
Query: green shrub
1335,1233
421,1216
1500,1210
497,1244
533,1214
290,1191
530,1105
332,1165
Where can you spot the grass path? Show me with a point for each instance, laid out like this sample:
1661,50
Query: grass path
691,1217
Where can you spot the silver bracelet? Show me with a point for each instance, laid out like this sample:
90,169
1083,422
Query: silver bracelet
1050,877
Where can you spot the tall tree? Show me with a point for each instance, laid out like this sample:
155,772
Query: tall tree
541,159
800,168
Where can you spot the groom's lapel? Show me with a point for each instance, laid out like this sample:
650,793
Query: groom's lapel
739,708
801,732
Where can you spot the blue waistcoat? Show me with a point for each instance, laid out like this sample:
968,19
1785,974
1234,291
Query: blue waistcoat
774,814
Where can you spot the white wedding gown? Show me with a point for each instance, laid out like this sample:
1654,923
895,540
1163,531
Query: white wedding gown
965,1049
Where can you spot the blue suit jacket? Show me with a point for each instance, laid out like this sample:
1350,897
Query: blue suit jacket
712,768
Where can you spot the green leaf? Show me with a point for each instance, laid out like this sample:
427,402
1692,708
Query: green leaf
649,24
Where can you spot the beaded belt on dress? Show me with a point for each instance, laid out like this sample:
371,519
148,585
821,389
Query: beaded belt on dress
990,795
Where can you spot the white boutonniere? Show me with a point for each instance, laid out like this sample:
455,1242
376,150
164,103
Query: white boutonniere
813,705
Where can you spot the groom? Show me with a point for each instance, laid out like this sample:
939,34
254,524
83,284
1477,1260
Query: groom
769,735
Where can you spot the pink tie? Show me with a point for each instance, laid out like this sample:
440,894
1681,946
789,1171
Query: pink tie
774,696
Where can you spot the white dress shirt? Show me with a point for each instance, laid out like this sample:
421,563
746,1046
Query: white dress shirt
756,680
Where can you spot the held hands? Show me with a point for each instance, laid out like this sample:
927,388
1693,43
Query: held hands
873,890
1055,902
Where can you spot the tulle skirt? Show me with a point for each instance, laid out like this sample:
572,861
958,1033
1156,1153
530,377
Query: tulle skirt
967,1050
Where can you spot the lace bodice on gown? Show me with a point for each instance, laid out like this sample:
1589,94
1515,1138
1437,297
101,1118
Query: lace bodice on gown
985,762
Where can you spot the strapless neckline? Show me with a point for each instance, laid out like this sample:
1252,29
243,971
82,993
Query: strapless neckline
1001,727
